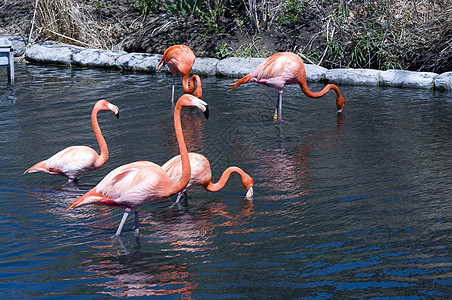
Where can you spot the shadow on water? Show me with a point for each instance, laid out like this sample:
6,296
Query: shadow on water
354,205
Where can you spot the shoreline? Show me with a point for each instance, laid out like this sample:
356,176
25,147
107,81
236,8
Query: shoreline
56,53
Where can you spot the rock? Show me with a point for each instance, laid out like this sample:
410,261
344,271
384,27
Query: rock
138,62
51,52
444,81
18,43
237,66
353,76
96,57
411,79
314,73
205,66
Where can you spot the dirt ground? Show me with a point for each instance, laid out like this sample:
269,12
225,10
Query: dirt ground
126,28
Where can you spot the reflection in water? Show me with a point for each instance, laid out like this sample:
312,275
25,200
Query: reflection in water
159,266
287,169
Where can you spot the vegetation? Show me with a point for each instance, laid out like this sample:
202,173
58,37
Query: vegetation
380,34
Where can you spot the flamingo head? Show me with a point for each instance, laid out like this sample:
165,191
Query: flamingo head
105,105
340,102
248,184
188,100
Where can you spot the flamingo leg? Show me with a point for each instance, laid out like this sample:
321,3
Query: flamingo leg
179,195
172,89
186,197
123,220
278,109
137,218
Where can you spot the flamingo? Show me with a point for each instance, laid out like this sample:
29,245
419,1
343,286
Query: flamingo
180,59
282,69
76,160
134,184
202,175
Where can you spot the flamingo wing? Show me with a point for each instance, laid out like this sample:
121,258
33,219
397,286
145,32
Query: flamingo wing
69,162
200,169
278,70
129,185
179,59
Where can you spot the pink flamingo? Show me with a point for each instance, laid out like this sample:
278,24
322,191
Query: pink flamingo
282,69
202,175
180,59
134,184
76,160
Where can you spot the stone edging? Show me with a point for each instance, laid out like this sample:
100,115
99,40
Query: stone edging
51,52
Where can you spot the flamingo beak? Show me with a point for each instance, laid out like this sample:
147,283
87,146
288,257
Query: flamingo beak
250,193
206,112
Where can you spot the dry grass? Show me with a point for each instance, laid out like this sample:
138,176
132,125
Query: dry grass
386,34
67,21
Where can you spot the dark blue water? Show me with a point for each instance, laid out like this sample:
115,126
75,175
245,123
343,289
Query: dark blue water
346,207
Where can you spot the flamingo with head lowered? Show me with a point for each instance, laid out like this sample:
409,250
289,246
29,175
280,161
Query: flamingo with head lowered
282,69
180,59
76,160
202,175
132,185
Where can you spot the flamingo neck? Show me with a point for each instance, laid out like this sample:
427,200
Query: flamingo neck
304,87
191,88
215,187
103,157
186,171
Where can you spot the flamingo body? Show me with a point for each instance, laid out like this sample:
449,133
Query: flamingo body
76,160
201,174
180,60
282,69
137,183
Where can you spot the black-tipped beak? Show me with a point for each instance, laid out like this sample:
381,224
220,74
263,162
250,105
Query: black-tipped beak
206,112
117,115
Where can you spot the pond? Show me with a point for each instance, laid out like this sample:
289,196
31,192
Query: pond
356,205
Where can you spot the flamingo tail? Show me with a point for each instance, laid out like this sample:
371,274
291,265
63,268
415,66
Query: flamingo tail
240,81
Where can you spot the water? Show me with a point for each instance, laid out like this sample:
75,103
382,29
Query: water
348,206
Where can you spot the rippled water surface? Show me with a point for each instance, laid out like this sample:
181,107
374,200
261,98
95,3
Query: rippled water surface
356,205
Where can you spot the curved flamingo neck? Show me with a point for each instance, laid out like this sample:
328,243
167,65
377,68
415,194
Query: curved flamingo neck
186,171
103,157
215,187
191,88
304,87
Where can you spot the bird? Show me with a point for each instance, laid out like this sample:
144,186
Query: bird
282,69
76,160
180,59
134,184
201,175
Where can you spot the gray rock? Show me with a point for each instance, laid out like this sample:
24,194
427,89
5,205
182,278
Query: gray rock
18,43
411,79
205,66
237,66
314,73
96,57
353,76
138,62
444,81
51,52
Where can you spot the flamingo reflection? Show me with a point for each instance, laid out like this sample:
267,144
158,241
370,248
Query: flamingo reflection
160,264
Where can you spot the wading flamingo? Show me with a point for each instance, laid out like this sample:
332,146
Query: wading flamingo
134,184
76,160
282,69
180,59
202,175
